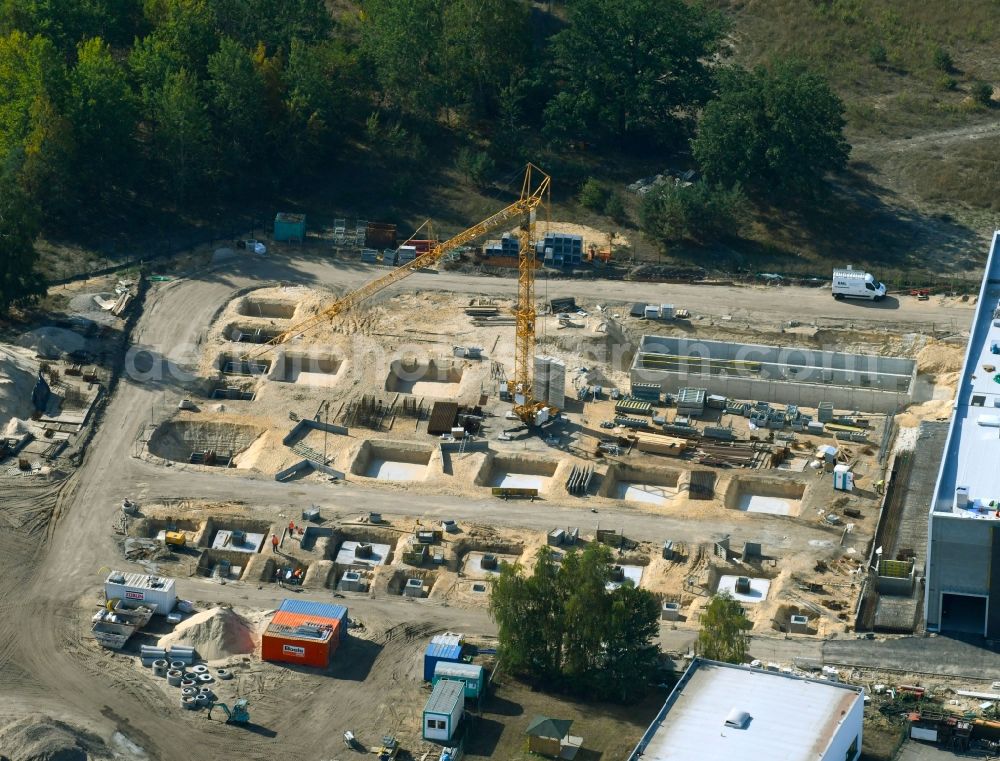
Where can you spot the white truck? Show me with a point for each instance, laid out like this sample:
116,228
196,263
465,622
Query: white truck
850,283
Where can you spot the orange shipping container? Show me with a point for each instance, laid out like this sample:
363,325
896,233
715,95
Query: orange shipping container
307,639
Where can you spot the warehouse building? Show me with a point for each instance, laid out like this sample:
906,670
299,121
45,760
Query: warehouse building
785,375
721,711
963,544
305,633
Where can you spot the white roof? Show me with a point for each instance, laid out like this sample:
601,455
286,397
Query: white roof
791,718
973,446
139,580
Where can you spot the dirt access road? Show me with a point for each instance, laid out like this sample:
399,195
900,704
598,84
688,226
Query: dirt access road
43,662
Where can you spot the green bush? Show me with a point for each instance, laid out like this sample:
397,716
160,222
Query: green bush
698,212
982,92
878,54
942,60
614,207
476,166
593,195
947,82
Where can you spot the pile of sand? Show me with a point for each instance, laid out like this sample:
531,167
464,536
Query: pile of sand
41,738
215,634
936,409
52,343
17,379
937,357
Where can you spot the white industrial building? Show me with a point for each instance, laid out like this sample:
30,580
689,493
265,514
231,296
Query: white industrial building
721,711
135,589
963,540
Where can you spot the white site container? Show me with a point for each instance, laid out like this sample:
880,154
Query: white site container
843,478
135,589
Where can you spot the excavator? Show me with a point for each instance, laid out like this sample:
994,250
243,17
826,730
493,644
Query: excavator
535,191
238,714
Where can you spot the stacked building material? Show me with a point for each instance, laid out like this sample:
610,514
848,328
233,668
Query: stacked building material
631,406
654,443
507,246
556,396
647,392
691,401
561,250
540,388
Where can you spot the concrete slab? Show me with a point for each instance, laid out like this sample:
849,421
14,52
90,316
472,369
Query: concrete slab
474,564
434,389
224,541
392,470
316,379
631,491
632,572
520,481
346,556
758,589
755,503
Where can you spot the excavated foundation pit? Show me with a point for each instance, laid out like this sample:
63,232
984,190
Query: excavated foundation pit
223,564
354,549
235,535
654,486
436,378
728,579
517,472
214,444
306,369
245,333
769,497
272,309
233,364
152,528
388,462
412,582
484,565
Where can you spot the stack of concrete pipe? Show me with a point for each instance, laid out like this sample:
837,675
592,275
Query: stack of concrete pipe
150,654
179,653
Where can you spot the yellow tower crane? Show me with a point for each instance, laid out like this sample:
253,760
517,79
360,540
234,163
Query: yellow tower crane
534,192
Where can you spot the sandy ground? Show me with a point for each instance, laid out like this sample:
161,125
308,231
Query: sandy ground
58,544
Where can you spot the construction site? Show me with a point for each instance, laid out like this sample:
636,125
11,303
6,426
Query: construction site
383,436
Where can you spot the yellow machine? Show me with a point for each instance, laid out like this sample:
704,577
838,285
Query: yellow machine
175,538
534,192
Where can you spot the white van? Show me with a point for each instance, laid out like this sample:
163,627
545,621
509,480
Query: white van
856,284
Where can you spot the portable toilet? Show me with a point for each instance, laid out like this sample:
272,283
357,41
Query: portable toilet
843,478
470,674
443,711
289,227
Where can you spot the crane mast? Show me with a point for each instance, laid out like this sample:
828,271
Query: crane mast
534,192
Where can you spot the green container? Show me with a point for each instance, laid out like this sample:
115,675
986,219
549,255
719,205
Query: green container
289,227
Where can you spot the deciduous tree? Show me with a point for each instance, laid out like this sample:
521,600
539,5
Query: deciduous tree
629,69
20,281
723,635
777,130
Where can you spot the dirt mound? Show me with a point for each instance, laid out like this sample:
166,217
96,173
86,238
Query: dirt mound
17,379
939,357
52,343
936,409
41,738
215,634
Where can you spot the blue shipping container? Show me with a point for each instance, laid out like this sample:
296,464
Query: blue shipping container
440,653
319,609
